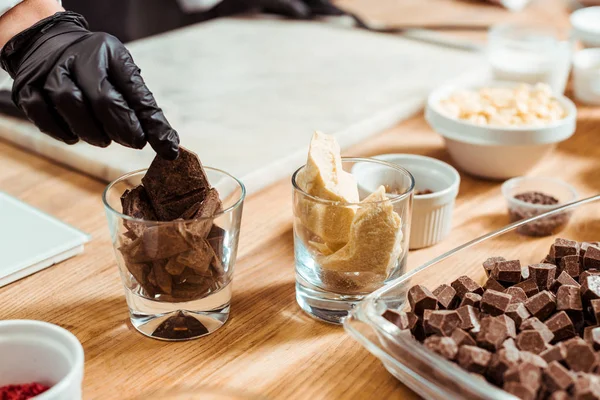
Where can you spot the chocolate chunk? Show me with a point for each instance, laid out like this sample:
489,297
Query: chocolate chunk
469,318
556,377
174,267
495,303
526,374
471,299
462,338
590,286
501,362
492,284
444,346
464,285
587,387
591,334
563,279
561,326
490,263
421,299
580,357
583,248
446,297
529,287
507,271
509,343
517,294
203,217
591,259
519,390
543,275
554,353
163,241
474,359
493,332
560,395
518,313
403,320
532,341
426,327
542,305
568,298
532,358
565,247
136,204
595,308
175,186
443,322
571,265
536,324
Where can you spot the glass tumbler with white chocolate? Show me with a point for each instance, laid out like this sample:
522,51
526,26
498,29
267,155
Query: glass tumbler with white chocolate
351,228
175,230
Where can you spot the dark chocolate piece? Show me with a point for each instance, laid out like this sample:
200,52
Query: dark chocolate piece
490,263
532,341
492,284
532,358
543,275
136,204
507,271
421,299
556,377
542,305
565,247
591,334
591,259
502,361
426,327
529,287
571,265
536,324
554,353
494,331
471,299
519,390
568,298
518,313
446,297
580,356
202,222
563,279
526,374
495,303
474,359
403,320
469,318
464,284
517,294
587,387
561,326
444,346
462,338
590,286
560,395
443,322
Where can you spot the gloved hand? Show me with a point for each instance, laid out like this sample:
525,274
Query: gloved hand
75,84
298,9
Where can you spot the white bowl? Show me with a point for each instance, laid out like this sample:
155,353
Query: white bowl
431,213
586,76
35,351
496,152
585,26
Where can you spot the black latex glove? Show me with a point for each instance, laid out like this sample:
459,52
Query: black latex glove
298,9
75,84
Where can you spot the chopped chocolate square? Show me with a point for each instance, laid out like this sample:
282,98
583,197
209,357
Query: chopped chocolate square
556,377
136,204
529,286
446,297
526,374
542,305
495,303
403,320
474,359
532,341
565,247
464,285
469,318
571,265
443,322
492,284
502,361
462,338
591,334
471,299
426,327
543,275
490,263
507,271
203,222
554,353
532,358
590,286
561,326
519,390
517,294
421,299
563,279
444,346
518,313
591,259
580,356
568,298
494,331
536,324
560,395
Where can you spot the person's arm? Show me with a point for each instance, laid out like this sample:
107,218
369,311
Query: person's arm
24,15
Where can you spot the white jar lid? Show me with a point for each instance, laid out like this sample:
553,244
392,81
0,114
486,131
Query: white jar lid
585,24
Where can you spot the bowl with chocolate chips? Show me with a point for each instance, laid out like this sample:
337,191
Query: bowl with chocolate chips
175,230
499,317
530,196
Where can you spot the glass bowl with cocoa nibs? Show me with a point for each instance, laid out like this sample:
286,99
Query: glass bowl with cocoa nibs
527,197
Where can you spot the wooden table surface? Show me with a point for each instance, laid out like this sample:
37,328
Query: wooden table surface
269,346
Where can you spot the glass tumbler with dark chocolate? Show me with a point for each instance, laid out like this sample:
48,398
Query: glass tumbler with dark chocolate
176,251
350,234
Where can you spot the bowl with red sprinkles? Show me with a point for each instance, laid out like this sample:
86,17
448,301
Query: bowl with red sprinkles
39,360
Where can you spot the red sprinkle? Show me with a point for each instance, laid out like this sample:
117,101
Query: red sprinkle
22,392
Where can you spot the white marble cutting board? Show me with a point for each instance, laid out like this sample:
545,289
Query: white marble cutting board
246,94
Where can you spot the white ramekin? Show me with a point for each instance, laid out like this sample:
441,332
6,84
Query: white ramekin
586,76
497,152
431,213
585,26
35,351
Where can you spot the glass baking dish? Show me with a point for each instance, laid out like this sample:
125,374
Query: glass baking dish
428,374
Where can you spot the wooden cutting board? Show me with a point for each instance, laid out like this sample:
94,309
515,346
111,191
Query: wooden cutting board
246,94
